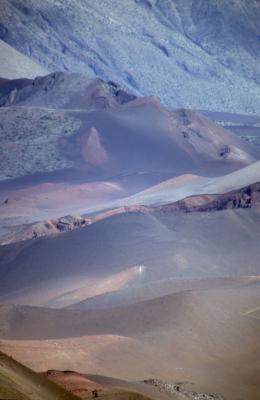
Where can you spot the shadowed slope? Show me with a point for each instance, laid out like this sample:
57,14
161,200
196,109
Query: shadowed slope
20,383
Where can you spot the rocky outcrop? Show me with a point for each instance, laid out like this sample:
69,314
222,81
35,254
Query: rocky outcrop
243,198
46,228
246,197
69,223
180,391
63,90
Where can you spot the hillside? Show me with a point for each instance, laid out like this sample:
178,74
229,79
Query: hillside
51,270
204,195
129,199
193,337
68,124
186,186
18,382
193,54
16,65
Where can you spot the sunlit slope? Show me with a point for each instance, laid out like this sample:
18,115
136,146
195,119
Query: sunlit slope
192,336
20,383
16,65
196,54
184,186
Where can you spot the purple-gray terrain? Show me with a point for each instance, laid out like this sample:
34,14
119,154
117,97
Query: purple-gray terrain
129,199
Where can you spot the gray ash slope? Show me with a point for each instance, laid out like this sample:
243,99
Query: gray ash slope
15,64
67,120
169,245
198,54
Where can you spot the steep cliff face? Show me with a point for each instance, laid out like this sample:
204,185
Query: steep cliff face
196,54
